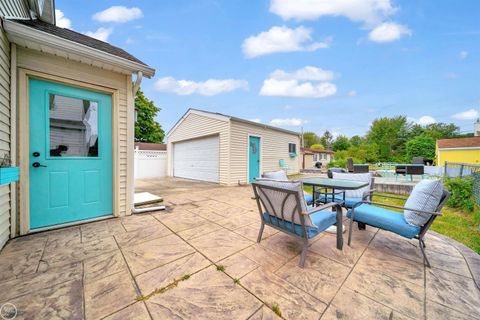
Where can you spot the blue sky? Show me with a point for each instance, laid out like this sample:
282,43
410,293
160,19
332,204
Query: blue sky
320,64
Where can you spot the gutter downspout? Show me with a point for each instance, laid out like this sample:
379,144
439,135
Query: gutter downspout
136,86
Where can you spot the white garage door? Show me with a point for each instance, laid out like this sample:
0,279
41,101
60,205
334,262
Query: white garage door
196,159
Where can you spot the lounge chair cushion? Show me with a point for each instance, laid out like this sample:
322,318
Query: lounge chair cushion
363,177
384,219
273,200
426,196
321,219
279,175
349,201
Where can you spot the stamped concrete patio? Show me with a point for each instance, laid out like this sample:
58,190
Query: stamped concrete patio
199,260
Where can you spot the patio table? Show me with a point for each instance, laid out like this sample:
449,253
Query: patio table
332,184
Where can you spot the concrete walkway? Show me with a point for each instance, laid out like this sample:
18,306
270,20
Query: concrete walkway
199,260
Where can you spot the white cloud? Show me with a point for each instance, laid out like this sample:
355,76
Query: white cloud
463,55
257,120
369,12
471,114
352,93
209,87
424,120
292,88
290,122
118,14
306,73
62,21
282,39
101,34
285,84
388,31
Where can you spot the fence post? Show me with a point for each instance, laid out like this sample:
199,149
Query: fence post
461,169
445,169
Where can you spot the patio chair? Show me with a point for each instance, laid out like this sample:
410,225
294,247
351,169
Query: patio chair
356,168
282,207
280,175
418,160
421,208
352,197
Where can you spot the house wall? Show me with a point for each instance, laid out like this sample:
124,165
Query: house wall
4,133
274,146
471,156
196,126
87,76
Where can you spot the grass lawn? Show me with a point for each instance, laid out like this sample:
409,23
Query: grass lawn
455,223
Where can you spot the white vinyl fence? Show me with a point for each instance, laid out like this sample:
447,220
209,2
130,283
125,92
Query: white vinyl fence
150,164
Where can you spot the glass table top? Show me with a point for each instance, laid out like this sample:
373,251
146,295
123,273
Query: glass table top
334,183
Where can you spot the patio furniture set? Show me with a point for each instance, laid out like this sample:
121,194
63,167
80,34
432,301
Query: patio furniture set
285,206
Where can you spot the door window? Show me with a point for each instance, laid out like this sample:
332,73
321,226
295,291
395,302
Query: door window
73,126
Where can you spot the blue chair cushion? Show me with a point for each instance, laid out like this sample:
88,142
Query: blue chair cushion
349,202
308,197
322,219
384,219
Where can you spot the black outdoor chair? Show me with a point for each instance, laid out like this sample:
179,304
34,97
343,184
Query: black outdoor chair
356,168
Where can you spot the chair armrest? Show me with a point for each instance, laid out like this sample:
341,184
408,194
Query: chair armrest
321,208
396,207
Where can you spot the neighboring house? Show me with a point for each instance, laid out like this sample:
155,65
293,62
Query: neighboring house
66,119
218,148
464,150
150,146
314,158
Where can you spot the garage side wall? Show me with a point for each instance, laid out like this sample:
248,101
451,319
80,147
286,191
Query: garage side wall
4,133
195,126
274,146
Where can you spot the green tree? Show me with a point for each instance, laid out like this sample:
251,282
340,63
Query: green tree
327,139
310,138
390,134
421,146
146,128
356,141
317,146
341,143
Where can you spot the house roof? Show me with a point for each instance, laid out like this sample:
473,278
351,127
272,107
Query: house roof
312,151
48,34
469,142
227,117
151,146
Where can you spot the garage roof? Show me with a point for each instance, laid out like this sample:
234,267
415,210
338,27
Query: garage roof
227,118
469,142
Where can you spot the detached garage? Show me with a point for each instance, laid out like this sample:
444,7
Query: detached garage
218,148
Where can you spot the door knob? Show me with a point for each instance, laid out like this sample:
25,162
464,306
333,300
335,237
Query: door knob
37,164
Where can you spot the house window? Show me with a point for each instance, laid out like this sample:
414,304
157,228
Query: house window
315,157
292,148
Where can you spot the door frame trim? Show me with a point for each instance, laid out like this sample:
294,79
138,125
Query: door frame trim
248,155
24,75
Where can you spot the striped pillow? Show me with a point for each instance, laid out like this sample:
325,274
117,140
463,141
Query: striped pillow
426,196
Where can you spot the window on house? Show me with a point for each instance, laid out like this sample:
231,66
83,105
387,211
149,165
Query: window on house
315,157
292,148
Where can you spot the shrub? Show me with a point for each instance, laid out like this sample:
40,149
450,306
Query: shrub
462,193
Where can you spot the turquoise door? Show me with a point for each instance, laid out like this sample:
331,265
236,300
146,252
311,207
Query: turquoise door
253,158
70,154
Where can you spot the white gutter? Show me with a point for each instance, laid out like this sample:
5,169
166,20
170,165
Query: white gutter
459,148
20,34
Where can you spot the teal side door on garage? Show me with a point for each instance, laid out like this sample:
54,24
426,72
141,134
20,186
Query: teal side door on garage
70,146
253,158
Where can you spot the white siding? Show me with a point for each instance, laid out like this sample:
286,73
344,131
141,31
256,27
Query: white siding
196,126
4,133
61,67
274,146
